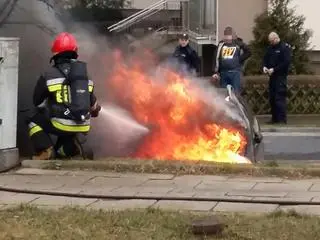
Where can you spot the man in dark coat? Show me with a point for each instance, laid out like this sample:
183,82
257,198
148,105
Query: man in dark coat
276,64
186,56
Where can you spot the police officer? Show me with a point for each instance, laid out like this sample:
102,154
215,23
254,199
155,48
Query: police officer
276,64
187,57
230,56
52,92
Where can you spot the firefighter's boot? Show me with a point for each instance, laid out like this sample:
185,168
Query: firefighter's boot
46,154
84,151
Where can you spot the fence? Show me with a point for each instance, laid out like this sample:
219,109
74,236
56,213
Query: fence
303,94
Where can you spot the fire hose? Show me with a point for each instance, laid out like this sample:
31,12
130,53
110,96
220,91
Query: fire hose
159,198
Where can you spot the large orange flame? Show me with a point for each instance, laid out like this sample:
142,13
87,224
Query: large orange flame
180,124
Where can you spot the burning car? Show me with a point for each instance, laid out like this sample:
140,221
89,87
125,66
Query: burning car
255,147
187,120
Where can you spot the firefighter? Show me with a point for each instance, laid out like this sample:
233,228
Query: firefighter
187,57
230,57
276,64
65,95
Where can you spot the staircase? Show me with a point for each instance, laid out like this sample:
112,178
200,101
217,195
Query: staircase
194,16
139,31
156,27
160,8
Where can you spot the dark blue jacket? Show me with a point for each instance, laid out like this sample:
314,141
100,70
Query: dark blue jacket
187,56
231,56
278,57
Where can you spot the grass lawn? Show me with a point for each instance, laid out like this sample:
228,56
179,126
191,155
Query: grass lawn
70,223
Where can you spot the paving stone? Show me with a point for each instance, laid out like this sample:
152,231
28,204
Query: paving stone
141,191
181,193
237,198
6,179
285,199
303,194
209,194
218,195
47,184
225,186
41,182
37,171
256,179
67,189
84,190
98,190
94,174
153,192
148,176
17,198
302,209
283,187
185,205
315,187
125,191
122,204
257,193
58,200
188,178
244,207
172,183
118,182
315,199
312,180
301,182
35,187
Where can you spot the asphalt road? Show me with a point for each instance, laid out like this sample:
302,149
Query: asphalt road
292,146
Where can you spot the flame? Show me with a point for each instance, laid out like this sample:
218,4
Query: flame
179,121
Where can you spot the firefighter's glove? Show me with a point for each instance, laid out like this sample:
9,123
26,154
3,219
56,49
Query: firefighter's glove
95,111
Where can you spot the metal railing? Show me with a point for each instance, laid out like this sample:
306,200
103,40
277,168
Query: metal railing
198,17
151,10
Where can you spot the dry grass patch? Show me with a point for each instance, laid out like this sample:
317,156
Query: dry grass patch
76,224
270,169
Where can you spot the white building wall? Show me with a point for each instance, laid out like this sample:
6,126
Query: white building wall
310,9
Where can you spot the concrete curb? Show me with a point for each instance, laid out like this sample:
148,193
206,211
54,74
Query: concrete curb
9,158
290,129
36,164
33,164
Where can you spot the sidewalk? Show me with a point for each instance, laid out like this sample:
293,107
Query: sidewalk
295,119
296,123
101,190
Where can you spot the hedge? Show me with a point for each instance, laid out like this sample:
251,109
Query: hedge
303,94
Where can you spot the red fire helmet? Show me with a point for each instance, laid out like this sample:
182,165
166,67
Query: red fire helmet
64,42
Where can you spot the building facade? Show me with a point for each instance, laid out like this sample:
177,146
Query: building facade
309,9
